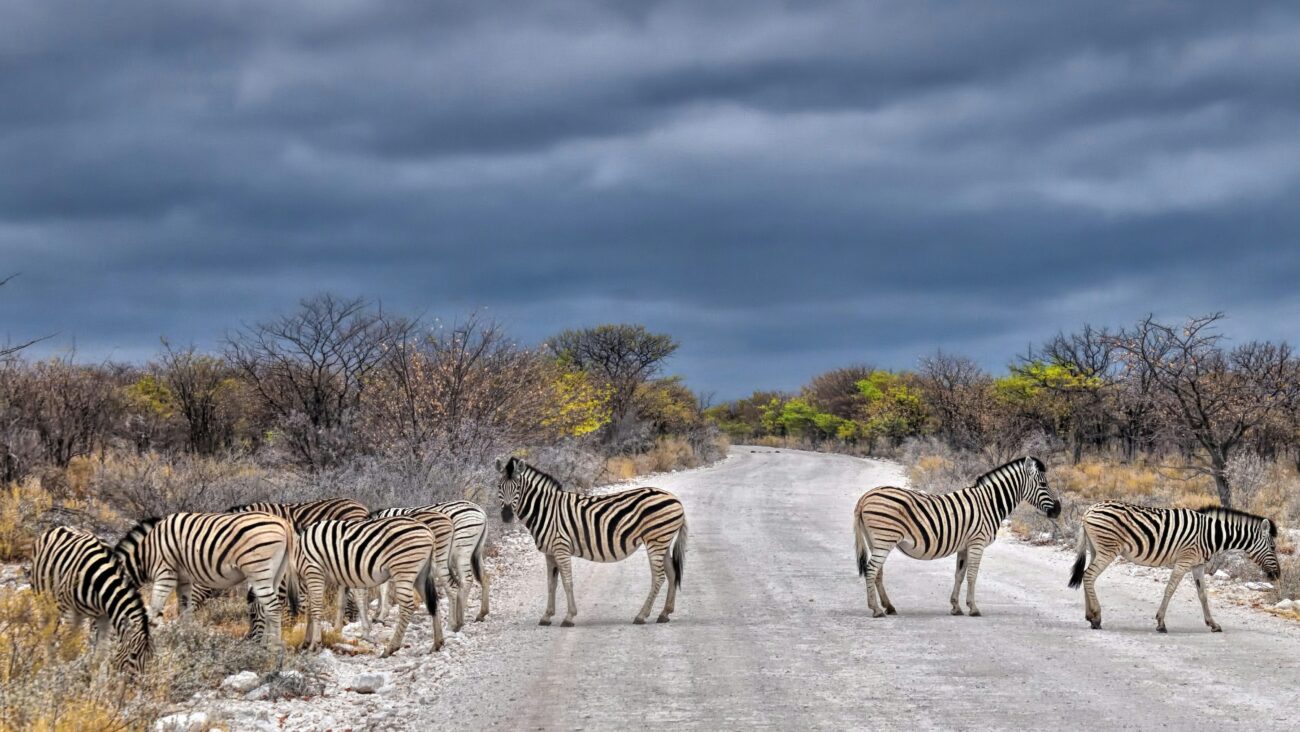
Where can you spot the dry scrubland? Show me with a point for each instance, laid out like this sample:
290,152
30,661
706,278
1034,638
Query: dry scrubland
337,398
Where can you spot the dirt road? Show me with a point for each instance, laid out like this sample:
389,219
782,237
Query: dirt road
772,631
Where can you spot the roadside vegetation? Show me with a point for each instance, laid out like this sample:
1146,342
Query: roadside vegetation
1156,413
337,397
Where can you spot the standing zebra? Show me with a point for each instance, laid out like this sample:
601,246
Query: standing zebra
213,550
309,512
598,528
928,526
364,554
1179,538
87,582
467,543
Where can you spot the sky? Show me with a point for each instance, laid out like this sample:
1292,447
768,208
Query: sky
783,187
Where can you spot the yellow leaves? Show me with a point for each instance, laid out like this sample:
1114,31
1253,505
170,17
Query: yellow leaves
20,505
148,394
577,406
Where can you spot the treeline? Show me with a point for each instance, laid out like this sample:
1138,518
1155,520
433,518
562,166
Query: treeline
1176,390
340,380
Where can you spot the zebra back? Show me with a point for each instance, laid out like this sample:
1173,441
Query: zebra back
306,513
204,545
84,577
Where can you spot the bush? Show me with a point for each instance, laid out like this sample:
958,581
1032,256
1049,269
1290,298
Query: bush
21,506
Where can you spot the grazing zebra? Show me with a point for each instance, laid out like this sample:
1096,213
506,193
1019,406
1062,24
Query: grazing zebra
365,554
598,528
1178,538
213,550
467,543
87,582
309,512
929,526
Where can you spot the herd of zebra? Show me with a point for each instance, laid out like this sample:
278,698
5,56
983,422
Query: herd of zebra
286,550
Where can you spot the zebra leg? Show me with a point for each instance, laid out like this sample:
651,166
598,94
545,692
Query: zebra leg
464,572
1198,574
552,576
268,596
973,557
163,586
361,599
184,597
955,599
102,624
385,601
670,603
480,574
314,586
880,591
876,564
1091,605
656,556
405,587
565,563
1175,577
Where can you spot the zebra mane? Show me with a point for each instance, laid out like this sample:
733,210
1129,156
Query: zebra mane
136,533
1221,512
986,478
557,485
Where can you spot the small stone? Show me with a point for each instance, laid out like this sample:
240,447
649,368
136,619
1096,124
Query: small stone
184,722
1221,575
368,682
1285,606
242,682
1259,586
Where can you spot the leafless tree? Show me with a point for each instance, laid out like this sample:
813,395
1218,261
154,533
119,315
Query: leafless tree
310,368
69,408
836,392
957,391
1089,356
205,391
1214,396
622,356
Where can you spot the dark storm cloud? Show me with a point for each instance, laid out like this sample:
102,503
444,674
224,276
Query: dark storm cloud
784,186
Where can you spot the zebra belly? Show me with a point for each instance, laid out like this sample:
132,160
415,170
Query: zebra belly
912,550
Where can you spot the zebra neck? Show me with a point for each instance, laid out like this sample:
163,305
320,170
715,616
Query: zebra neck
532,496
1001,501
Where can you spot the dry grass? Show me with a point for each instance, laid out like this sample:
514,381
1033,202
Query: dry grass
668,453
51,681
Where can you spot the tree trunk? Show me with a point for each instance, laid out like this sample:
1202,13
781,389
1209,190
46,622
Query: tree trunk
1220,465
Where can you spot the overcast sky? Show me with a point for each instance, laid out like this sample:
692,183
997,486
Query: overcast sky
784,187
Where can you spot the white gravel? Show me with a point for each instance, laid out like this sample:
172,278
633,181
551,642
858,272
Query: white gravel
772,631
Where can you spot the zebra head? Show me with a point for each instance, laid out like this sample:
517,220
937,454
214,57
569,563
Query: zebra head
134,650
1263,550
1036,490
508,487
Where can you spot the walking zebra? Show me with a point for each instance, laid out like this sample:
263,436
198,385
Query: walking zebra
365,554
213,550
87,582
598,528
1178,538
468,539
928,526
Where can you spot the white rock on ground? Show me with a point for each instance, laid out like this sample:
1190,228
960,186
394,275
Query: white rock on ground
369,682
1221,575
1259,586
186,722
242,682
1285,605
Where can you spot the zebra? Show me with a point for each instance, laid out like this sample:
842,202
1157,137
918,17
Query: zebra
364,554
86,581
213,550
928,526
598,528
1180,538
470,523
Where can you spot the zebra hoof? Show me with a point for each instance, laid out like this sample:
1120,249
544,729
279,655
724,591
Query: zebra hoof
544,621
1161,629
877,613
638,621
662,619
974,613
889,610
567,623
1096,624
480,617
956,611
1216,628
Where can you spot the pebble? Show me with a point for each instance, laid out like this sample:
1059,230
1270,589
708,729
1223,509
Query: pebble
1258,586
1221,575
242,682
184,722
1287,606
369,682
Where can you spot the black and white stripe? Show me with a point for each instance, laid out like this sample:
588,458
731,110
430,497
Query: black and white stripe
366,554
213,550
306,513
86,581
1179,538
598,528
469,522
928,526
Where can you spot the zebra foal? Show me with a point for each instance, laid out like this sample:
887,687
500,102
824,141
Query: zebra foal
469,535
928,526
598,528
366,554
86,581
1179,538
216,551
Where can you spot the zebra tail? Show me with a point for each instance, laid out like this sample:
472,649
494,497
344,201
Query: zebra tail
430,588
476,558
1080,560
679,555
291,573
862,543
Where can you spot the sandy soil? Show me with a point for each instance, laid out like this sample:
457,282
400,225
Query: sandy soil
772,631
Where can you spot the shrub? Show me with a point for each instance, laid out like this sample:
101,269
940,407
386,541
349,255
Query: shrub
21,505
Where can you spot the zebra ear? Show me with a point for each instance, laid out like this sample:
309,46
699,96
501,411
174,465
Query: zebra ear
500,467
509,470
